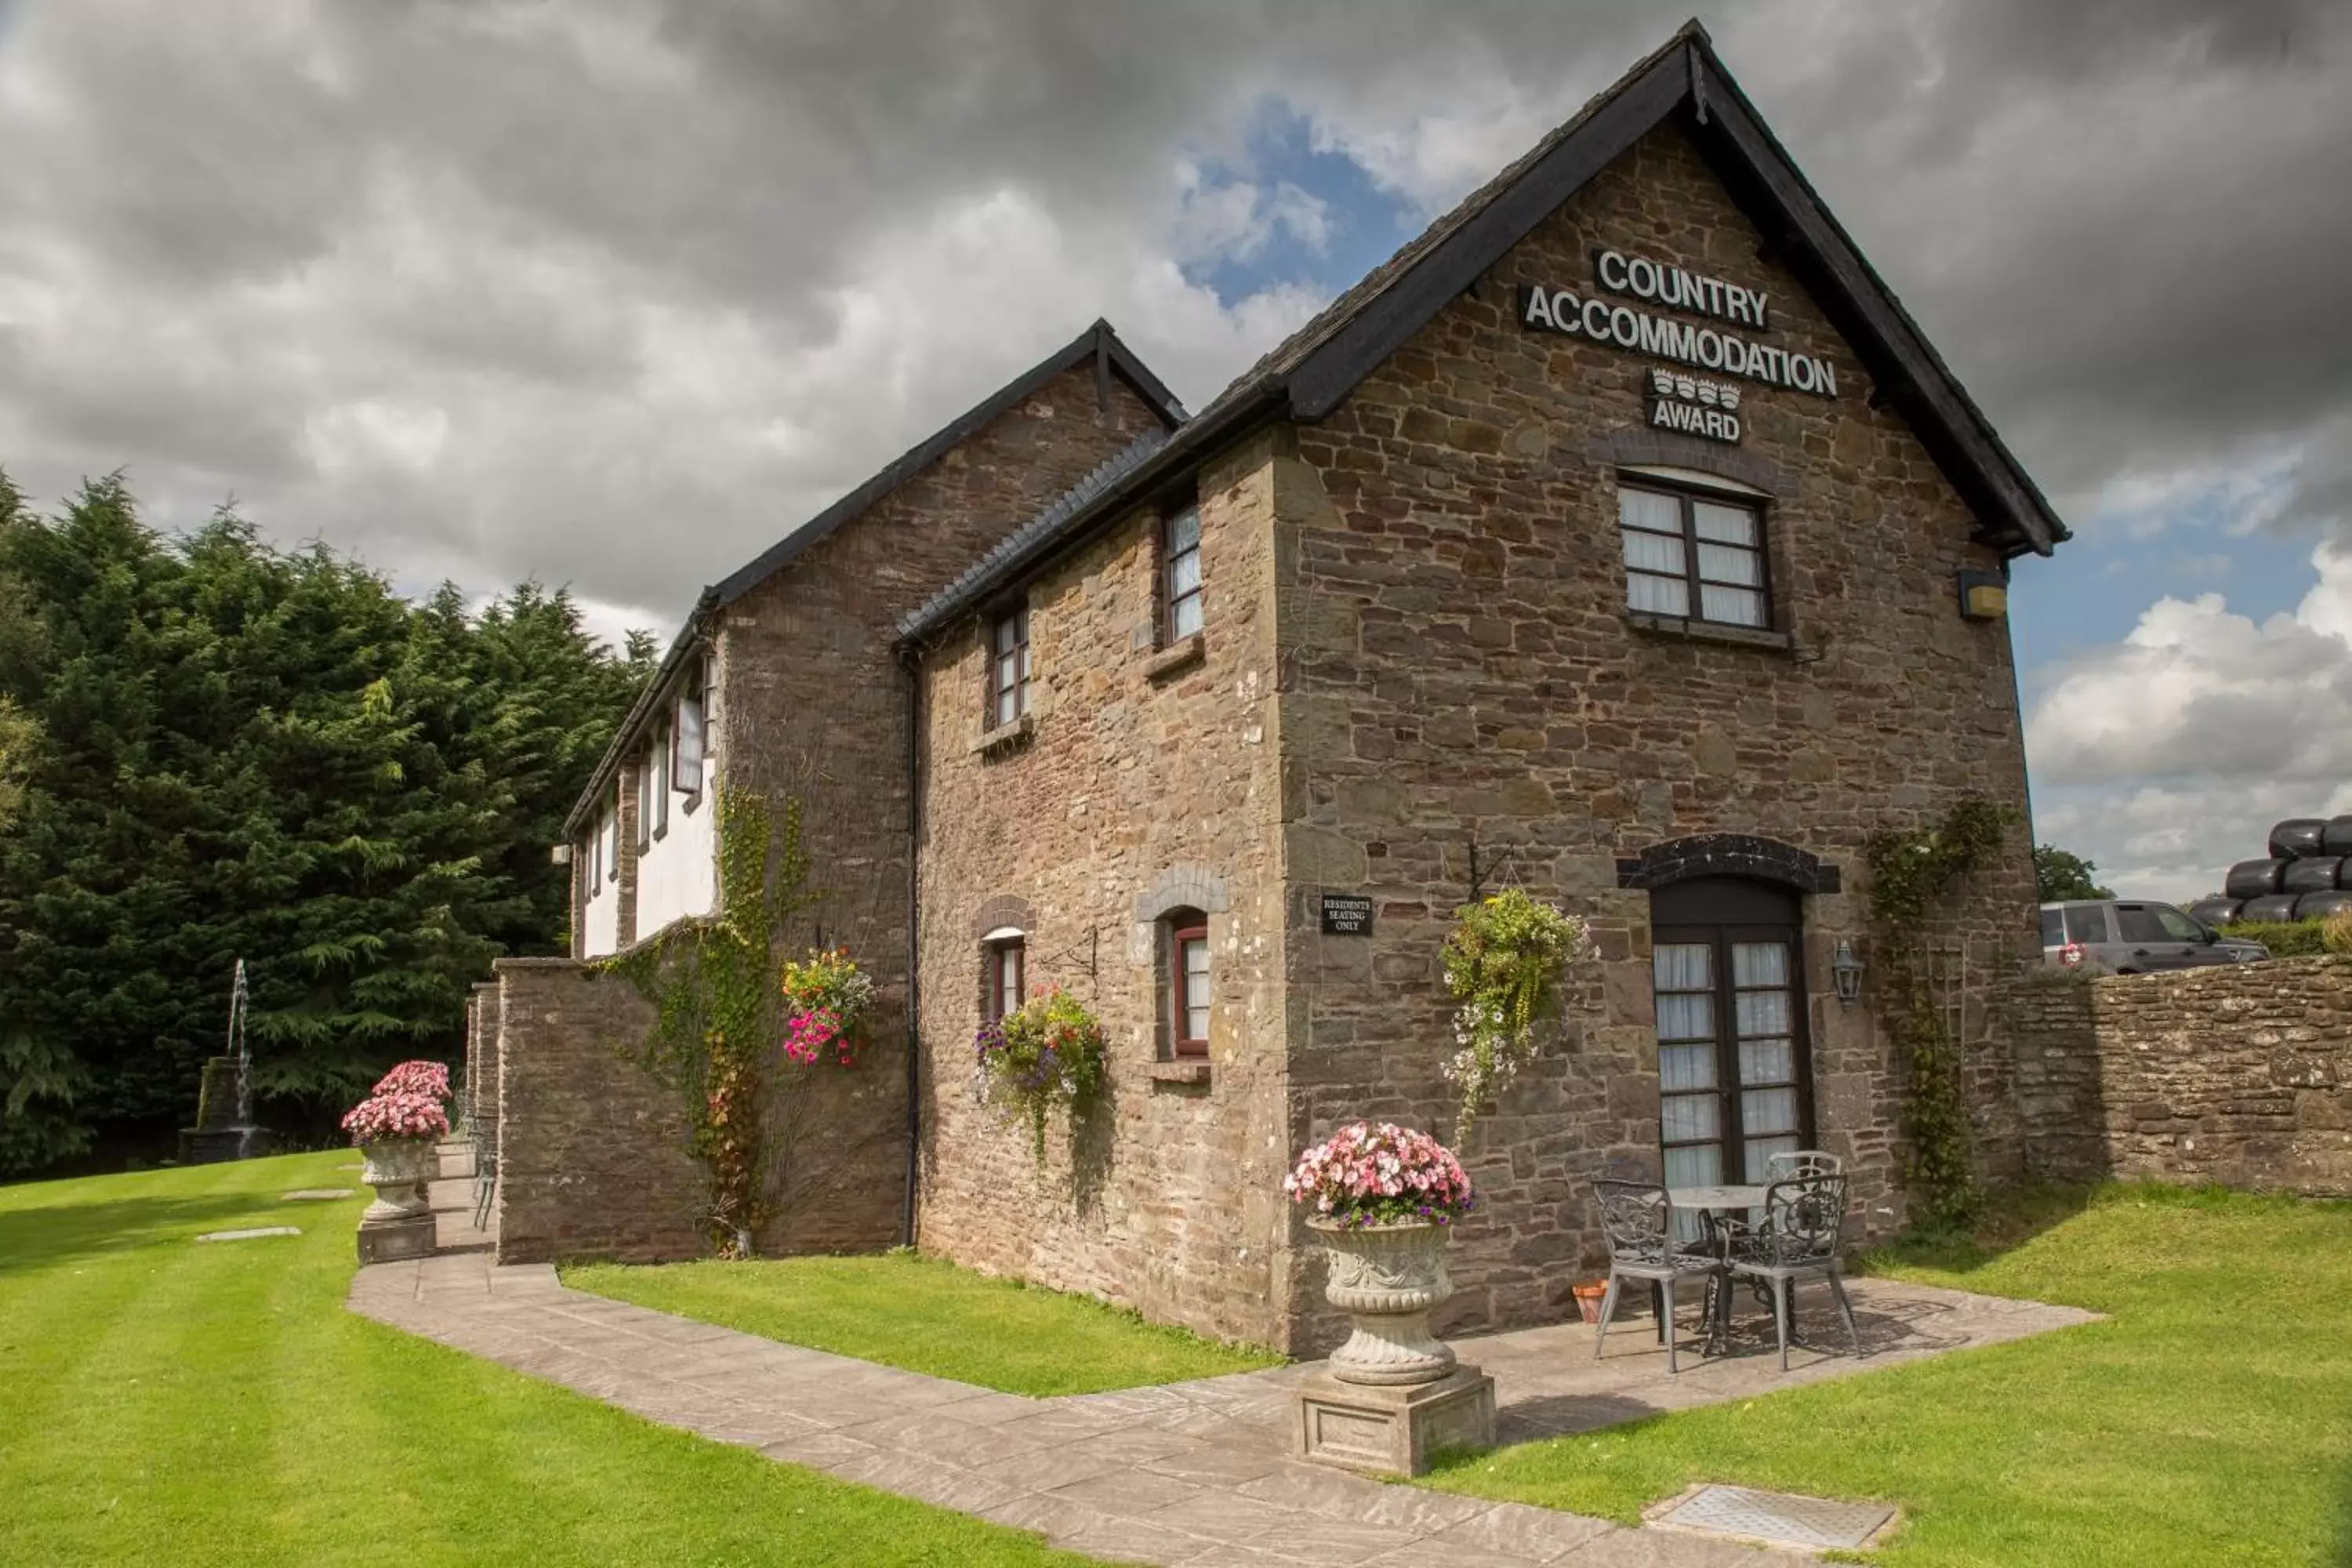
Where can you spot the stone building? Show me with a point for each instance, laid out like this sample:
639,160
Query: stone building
1620,539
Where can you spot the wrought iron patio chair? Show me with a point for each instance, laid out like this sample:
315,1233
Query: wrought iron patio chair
1790,1164
486,1177
1636,1218
1795,1240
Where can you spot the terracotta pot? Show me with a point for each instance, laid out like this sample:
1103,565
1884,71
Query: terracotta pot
1388,1279
1589,1294
396,1170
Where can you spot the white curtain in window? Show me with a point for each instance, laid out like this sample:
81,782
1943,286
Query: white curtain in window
686,762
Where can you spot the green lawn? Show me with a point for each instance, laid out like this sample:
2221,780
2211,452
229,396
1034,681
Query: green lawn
928,1316
166,1401
2209,1422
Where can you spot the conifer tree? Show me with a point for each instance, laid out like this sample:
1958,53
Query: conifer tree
267,754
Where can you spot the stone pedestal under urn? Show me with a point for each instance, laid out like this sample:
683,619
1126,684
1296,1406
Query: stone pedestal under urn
399,1224
1392,1393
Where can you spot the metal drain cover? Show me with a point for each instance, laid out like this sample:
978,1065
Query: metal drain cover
249,1235
1778,1516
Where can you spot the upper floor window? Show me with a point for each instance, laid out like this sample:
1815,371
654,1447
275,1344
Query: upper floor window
1182,573
686,742
1006,983
608,837
657,760
1008,684
1188,983
1696,557
644,775
585,852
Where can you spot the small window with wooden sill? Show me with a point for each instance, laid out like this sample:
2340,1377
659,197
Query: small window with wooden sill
1694,555
1008,682
688,741
1188,985
1181,613
1006,980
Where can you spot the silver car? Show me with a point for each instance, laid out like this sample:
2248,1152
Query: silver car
2130,936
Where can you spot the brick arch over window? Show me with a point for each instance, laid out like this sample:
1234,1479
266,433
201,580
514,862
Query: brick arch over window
1182,886
1004,910
1673,449
1728,855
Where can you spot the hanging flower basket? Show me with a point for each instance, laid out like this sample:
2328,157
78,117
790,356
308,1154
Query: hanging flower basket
827,1000
1045,1055
1503,964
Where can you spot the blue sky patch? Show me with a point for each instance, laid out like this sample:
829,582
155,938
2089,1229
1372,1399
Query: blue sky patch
1360,226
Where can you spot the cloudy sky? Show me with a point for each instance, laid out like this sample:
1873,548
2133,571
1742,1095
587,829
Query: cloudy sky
614,294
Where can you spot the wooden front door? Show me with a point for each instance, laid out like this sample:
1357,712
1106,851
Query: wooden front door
1735,1076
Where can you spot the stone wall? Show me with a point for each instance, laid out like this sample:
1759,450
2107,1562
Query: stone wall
1462,672
1148,781
812,705
593,1158
2240,1074
482,1063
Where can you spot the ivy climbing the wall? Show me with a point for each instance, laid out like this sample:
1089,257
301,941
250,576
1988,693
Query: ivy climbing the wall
1909,870
716,1007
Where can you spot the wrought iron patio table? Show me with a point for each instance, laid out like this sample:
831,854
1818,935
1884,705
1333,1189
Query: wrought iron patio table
1707,1203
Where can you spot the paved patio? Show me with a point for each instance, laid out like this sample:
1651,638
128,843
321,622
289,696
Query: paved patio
1194,1475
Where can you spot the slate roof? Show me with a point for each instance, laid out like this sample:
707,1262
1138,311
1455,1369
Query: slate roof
1006,554
1311,372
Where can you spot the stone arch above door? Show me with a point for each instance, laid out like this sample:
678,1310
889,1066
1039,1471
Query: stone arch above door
1728,855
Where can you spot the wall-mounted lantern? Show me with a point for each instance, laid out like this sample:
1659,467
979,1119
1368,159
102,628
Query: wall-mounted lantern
1845,972
1984,596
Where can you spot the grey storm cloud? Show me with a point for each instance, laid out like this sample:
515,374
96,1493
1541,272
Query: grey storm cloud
617,293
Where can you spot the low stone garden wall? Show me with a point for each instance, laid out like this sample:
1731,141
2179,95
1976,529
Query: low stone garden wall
593,1159
2239,1074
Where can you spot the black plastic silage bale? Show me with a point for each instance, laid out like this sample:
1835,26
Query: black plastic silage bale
2313,873
2253,878
2272,908
2297,836
2215,911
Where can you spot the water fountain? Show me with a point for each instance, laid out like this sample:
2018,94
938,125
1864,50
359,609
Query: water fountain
225,1129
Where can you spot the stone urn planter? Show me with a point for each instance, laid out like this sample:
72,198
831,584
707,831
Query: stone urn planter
1388,1279
397,1169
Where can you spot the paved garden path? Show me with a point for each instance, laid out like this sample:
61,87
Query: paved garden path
1194,1474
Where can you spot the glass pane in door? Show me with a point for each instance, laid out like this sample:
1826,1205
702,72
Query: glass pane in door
1690,1086
1763,1008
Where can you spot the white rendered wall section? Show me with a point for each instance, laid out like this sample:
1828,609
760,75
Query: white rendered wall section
600,923
678,874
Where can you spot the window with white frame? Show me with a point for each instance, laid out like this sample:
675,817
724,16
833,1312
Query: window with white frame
608,836
657,760
686,743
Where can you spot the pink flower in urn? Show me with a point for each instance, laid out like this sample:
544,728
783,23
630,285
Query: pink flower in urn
1364,1174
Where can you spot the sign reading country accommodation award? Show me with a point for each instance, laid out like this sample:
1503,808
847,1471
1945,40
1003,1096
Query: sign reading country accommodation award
1345,914
1702,410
